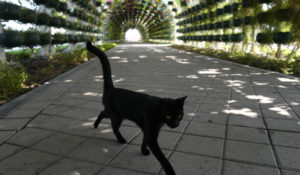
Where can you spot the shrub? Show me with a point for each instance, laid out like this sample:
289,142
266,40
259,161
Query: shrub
11,80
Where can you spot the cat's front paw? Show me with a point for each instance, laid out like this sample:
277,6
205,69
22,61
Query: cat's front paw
122,141
145,151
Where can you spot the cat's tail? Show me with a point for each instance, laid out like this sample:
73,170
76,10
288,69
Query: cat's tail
108,83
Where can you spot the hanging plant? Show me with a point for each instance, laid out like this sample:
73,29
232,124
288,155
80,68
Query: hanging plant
217,38
249,3
219,12
97,3
226,24
226,38
39,2
63,23
210,38
211,26
62,6
264,1
45,38
9,11
58,38
31,38
52,3
248,20
228,9
1,39
55,21
73,38
264,38
12,39
209,2
27,16
43,19
266,18
237,22
283,37
287,14
237,37
170,2
219,25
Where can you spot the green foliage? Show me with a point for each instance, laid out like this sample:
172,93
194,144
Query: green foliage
11,80
19,55
283,66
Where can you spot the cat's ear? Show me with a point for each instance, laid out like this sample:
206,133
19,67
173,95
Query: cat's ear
181,100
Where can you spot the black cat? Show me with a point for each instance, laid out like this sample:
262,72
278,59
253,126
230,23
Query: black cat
150,113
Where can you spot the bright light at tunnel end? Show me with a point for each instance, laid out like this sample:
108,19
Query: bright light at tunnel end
132,35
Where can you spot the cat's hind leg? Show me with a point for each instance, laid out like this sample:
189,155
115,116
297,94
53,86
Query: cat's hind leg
102,115
144,147
116,123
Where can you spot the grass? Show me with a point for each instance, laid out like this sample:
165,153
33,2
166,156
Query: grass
22,77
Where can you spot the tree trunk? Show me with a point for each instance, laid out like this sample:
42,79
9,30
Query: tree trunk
278,53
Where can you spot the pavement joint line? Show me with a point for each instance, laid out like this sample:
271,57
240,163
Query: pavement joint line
269,135
222,164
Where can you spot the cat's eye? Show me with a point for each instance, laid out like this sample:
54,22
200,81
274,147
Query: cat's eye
180,116
168,117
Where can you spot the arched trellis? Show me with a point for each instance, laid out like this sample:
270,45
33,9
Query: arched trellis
152,18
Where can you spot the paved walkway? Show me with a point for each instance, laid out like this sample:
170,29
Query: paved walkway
238,120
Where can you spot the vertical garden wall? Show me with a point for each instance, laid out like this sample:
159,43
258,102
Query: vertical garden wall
41,22
252,26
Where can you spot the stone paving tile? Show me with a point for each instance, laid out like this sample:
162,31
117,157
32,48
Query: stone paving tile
4,135
35,105
70,102
201,145
132,158
12,124
29,136
284,125
26,162
238,120
23,113
238,168
96,151
55,109
288,157
191,164
256,135
104,131
290,172
250,152
8,150
51,122
60,144
80,114
211,118
72,167
166,140
114,171
206,129
289,139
